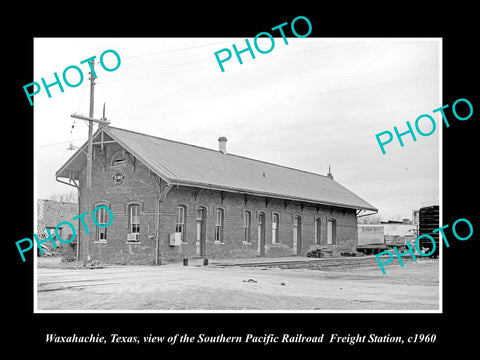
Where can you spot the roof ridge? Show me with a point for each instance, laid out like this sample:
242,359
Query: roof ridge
216,151
158,137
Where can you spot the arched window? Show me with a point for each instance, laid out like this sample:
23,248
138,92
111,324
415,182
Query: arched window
219,225
133,223
275,222
247,225
180,224
102,219
119,159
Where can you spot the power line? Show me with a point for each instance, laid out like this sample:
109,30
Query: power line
59,143
138,73
174,50
152,75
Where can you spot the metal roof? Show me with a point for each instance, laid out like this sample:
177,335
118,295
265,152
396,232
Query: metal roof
184,164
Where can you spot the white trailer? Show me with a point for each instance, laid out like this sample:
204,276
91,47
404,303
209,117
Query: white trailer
371,239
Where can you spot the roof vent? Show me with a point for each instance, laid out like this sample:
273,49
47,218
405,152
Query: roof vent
329,173
222,144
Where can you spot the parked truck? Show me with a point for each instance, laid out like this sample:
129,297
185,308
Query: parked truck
371,239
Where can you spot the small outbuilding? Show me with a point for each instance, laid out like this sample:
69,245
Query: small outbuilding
50,213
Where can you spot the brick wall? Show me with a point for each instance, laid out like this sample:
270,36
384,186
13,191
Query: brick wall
234,206
139,188
50,213
143,188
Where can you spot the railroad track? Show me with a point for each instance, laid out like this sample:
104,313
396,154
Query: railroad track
305,263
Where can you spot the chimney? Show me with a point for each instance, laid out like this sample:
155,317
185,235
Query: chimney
222,145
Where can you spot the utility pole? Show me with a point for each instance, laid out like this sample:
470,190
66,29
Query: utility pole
89,157
88,182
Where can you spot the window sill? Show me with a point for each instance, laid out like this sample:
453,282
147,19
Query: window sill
132,242
247,243
219,242
100,242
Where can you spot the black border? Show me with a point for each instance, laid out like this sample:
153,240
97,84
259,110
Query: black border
455,25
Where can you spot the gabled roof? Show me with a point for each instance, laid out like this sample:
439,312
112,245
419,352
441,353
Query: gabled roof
183,164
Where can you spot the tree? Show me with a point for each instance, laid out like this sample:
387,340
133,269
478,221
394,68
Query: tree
370,219
69,197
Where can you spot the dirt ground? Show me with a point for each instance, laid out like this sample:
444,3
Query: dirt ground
176,287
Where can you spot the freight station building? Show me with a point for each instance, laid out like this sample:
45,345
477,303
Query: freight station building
172,201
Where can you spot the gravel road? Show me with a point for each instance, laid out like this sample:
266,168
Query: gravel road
175,287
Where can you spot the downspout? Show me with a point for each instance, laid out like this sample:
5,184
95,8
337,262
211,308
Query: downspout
161,198
157,224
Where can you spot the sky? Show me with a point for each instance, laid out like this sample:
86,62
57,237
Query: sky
311,104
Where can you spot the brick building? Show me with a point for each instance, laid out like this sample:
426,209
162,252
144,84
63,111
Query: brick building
172,200
50,213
